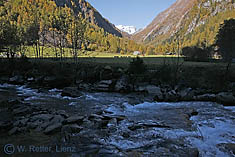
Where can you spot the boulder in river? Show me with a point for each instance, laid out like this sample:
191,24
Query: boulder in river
53,128
42,117
150,89
74,119
57,119
71,128
104,85
106,73
206,97
153,90
62,113
22,110
5,125
57,82
14,131
122,84
159,97
186,94
225,98
172,96
227,147
71,92
18,79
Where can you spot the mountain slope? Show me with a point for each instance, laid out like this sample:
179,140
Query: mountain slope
190,19
90,13
166,22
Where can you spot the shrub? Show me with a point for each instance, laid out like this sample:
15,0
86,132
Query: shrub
196,53
137,66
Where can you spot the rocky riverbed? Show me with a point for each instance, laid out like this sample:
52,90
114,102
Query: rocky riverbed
115,124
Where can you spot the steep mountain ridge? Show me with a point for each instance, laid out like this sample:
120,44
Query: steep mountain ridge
167,21
90,13
185,17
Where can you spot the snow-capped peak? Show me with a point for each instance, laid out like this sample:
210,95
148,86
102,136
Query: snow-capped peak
128,29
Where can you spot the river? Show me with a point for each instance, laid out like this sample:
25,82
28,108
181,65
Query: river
141,126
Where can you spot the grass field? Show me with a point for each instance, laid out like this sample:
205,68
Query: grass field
106,58
50,52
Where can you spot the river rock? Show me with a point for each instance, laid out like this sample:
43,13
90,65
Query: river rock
227,147
53,128
30,79
106,152
193,152
33,125
71,92
206,97
112,123
104,85
23,110
134,127
57,119
101,124
150,89
225,98
85,86
153,90
18,79
186,94
71,128
21,123
49,79
172,96
42,117
74,119
159,97
95,116
110,116
57,82
106,73
122,84
118,73
62,113
14,131
5,125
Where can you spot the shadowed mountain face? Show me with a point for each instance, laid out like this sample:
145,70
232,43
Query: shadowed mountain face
184,16
90,13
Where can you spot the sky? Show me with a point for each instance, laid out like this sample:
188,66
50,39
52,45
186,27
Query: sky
138,13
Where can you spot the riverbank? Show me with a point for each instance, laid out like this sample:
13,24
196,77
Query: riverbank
164,83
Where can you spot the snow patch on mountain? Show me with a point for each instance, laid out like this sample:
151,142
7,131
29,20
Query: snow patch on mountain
128,29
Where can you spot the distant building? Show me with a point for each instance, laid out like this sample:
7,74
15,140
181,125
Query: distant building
136,53
217,56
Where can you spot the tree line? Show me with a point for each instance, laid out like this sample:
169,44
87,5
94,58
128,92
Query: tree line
40,23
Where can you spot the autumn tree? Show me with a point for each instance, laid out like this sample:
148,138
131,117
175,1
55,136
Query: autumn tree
9,36
150,50
75,34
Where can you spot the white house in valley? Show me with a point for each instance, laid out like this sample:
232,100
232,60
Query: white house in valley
136,53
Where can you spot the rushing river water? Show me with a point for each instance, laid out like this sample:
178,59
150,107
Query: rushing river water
151,128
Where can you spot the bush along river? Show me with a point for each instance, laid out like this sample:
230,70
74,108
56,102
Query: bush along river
72,122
